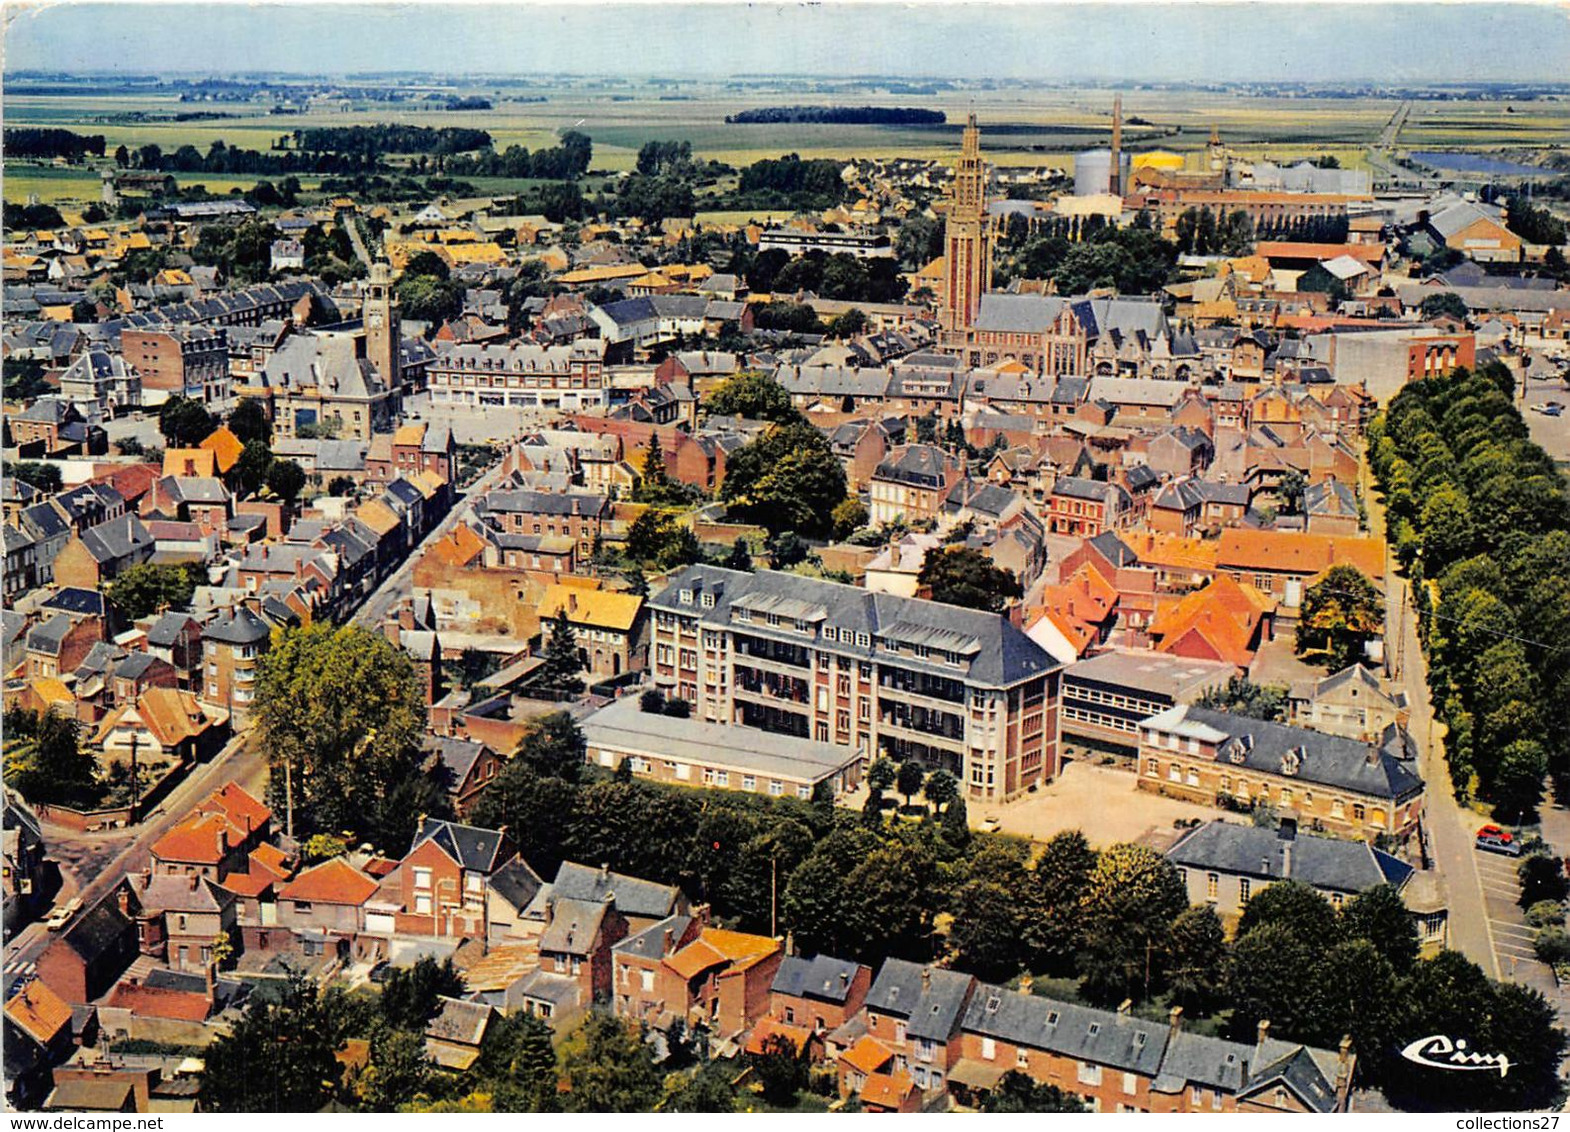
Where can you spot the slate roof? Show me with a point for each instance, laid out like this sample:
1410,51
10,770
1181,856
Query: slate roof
1260,746
47,636
516,883
1322,862
117,539
1018,314
1114,549
574,925
78,600
481,850
166,631
918,465
633,897
821,977
457,755
1103,1037
933,1011
546,503
997,652
240,627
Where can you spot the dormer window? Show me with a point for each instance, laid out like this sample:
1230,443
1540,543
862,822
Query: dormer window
1052,1017
686,597
993,1003
1095,1028
708,601
864,640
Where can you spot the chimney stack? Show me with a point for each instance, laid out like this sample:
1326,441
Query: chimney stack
670,939
1125,1008
1174,1022
210,976
926,979
1259,1044
123,898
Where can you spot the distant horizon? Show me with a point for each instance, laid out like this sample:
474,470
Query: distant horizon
1061,44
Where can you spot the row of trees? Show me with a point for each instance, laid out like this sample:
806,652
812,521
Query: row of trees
386,137
1479,515
1134,259
31,141
567,160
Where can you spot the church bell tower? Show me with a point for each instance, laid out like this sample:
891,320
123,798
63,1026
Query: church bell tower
383,333
967,242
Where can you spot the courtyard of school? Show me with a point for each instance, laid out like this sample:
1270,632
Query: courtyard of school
1099,801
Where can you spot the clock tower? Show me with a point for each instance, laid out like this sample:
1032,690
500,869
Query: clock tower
383,335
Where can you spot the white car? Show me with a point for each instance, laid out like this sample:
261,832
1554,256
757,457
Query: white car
61,916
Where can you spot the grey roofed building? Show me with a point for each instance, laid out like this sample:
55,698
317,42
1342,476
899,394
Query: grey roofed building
1077,487
822,977
240,627
47,637
1261,746
457,755
932,1000
1329,499
118,539
574,924
196,489
917,465
992,650
1180,495
1236,494
650,942
325,362
832,381
79,601
168,630
1143,670
1100,1037
1018,314
476,849
633,896
1325,863
1114,549
516,883
546,503
1145,392
622,726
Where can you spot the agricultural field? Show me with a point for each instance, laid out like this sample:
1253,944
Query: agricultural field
1019,127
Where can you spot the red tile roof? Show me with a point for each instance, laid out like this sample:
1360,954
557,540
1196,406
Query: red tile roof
39,1012
238,806
202,839
331,882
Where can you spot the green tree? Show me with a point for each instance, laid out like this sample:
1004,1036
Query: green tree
399,1071
277,1057
956,824
1062,879
45,761
787,479
563,661
990,921
1241,696
1196,955
411,995
941,789
249,422
44,477
706,1089
1380,917
781,1070
322,847
1445,304
285,479
1133,896
148,588
1290,492
1271,978
850,515
184,423
251,469
1517,786
739,558
537,809
965,576
1446,523
340,717
518,1062
608,1067
1295,907
753,395
909,778
1340,613
1019,1092
882,774
553,744
849,324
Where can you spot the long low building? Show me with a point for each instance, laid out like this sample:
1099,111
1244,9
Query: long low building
1348,787
1105,697
691,752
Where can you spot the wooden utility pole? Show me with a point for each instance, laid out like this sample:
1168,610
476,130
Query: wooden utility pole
135,792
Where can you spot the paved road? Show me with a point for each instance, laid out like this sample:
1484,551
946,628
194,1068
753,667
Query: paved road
239,761
353,230
397,584
1450,828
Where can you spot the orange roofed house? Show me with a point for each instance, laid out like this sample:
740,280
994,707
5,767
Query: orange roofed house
1284,563
1227,620
700,974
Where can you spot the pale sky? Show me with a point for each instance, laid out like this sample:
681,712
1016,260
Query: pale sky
1322,42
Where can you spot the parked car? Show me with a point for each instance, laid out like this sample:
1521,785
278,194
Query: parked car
380,972
1501,842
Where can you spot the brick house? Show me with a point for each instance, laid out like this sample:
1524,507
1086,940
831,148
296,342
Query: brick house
440,888
84,961
822,993
329,896
1349,787
101,553
916,1013
912,483
179,919
576,515
1087,508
